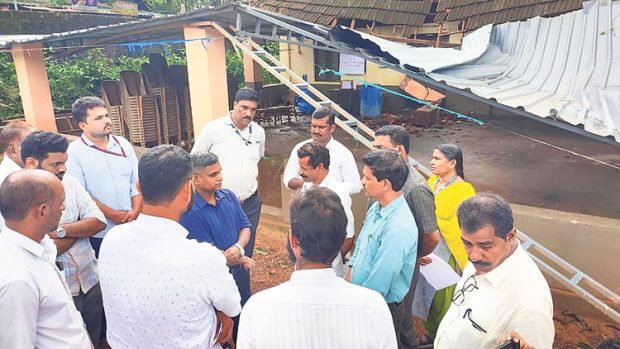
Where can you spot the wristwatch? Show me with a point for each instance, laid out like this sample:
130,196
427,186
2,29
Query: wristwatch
241,249
60,233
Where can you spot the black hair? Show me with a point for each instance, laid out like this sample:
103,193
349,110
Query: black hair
247,94
82,105
453,152
485,209
12,131
20,192
202,159
387,164
324,112
316,154
40,143
398,135
319,223
609,343
162,171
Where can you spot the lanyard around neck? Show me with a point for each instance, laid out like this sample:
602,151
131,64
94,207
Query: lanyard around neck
247,141
94,146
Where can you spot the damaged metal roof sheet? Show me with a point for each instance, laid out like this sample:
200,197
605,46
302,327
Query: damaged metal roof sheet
391,12
566,67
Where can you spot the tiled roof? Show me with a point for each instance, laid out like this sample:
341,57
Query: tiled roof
481,12
391,12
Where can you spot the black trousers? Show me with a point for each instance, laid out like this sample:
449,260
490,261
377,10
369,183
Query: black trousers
96,244
398,312
251,206
90,306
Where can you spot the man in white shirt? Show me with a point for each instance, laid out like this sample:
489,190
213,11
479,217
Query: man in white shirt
343,167
161,290
501,293
314,165
36,308
11,138
81,218
239,143
316,309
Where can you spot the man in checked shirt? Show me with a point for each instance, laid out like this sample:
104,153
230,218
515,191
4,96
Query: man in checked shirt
80,219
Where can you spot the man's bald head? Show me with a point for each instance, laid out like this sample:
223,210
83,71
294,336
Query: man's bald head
24,190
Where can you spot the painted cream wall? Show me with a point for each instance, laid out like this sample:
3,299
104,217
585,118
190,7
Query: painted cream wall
301,59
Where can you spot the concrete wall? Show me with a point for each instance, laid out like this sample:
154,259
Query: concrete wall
589,243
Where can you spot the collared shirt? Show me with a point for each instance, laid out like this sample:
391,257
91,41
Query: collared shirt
217,224
310,311
341,165
79,262
420,199
160,290
239,152
109,178
512,297
7,166
386,249
36,308
339,188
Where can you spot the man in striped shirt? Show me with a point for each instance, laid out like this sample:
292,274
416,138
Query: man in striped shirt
80,219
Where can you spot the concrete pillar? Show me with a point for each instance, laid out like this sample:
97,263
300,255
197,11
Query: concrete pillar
34,88
252,73
206,68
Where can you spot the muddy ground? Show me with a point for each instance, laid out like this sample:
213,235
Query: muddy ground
273,268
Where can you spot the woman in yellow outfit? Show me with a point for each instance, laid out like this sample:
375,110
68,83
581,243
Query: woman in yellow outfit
450,188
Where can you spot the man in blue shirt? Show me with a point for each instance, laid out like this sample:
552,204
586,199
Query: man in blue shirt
386,249
216,217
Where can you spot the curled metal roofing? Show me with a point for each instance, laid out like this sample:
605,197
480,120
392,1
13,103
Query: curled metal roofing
565,67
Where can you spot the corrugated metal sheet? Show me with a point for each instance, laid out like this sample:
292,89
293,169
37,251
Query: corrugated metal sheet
483,12
566,67
391,12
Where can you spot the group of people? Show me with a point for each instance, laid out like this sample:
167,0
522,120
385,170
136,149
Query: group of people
100,249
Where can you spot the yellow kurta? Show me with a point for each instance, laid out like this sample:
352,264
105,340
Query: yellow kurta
447,202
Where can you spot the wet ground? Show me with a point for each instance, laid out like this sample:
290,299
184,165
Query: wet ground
522,170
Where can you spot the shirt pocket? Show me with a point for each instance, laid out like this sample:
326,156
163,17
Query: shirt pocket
254,151
371,250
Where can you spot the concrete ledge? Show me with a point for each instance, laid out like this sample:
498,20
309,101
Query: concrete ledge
589,243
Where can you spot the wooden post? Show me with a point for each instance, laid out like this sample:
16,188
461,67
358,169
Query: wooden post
206,69
34,87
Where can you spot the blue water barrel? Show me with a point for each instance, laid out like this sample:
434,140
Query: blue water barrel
370,101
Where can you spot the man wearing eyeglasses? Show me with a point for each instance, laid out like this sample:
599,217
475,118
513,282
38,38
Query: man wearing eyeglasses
239,143
502,293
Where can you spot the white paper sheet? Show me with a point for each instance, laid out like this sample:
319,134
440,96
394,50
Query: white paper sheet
439,274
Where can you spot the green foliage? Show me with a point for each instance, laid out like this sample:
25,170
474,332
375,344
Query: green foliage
10,105
82,75
174,6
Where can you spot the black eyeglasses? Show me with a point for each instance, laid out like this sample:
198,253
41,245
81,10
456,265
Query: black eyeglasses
469,285
473,323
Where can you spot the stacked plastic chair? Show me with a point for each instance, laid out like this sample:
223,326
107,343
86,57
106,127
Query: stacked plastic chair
177,77
154,75
140,110
111,93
